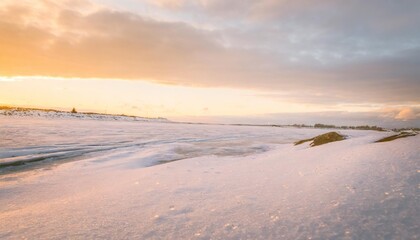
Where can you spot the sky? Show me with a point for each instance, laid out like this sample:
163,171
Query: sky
243,61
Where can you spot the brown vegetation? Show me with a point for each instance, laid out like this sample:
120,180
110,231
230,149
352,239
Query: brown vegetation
396,136
323,139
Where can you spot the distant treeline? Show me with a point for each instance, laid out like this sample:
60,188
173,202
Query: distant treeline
363,127
320,125
405,129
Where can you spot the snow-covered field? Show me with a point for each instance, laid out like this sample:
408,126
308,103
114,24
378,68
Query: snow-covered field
53,114
90,179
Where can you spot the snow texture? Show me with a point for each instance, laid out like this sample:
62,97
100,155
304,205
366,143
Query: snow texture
145,180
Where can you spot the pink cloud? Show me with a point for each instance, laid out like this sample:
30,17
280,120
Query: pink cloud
406,114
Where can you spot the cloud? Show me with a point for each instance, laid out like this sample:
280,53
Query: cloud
401,113
406,114
363,53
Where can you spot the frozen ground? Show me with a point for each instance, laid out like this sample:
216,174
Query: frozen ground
105,179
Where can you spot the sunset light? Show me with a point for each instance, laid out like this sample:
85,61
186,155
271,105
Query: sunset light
182,60
209,119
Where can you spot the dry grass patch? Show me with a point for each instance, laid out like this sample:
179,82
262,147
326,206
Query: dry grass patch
396,136
323,139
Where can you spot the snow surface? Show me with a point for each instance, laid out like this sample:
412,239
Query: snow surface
53,114
105,179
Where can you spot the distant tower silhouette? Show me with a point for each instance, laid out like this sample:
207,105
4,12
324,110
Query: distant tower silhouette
73,110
